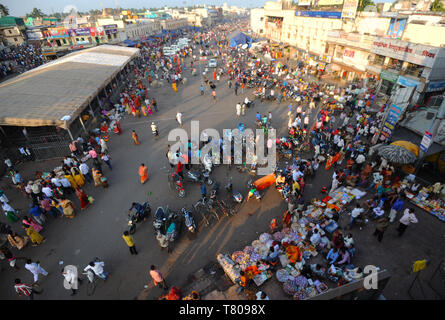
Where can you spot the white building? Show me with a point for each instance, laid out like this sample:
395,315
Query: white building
257,24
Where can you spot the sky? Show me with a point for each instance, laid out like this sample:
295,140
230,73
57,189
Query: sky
21,7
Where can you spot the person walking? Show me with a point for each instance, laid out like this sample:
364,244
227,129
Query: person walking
408,218
381,225
214,95
154,104
103,146
238,110
179,169
35,269
158,278
203,190
98,268
396,208
24,289
357,211
71,280
202,89
179,118
135,137
143,173
105,158
130,242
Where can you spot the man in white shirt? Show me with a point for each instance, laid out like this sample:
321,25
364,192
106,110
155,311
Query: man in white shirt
71,280
97,268
354,214
55,181
315,238
68,161
407,218
179,118
35,269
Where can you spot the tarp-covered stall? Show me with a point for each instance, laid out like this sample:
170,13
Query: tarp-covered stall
238,38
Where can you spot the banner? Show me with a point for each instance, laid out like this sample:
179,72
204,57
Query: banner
56,33
391,120
319,14
330,2
436,86
396,28
110,28
79,32
349,9
426,142
389,76
407,82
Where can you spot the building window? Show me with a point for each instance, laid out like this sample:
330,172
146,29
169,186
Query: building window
10,32
414,69
379,60
64,41
15,39
395,64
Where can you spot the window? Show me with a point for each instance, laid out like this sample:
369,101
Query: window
395,64
262,18
64,41
379,60
15,39
10,32
414,69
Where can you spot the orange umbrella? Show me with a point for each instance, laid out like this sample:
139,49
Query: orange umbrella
407,145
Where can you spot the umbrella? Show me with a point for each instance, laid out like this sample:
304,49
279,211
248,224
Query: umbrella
397,154
407,145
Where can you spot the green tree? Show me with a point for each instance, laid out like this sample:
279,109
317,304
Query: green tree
362,4
36,13
437,6
4,11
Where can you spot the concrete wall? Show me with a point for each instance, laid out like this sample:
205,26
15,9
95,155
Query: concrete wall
432,35
257,21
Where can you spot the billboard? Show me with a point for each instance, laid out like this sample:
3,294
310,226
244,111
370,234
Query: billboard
349,9
56,33
330,2
319,14
79,32
97,31
396,28
391,120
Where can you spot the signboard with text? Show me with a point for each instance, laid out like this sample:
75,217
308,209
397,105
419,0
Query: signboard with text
319,14
349,9
406,51
391,120
426,142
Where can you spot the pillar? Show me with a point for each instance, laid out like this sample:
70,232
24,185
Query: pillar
83,125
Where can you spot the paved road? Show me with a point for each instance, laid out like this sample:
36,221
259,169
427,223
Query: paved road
97,231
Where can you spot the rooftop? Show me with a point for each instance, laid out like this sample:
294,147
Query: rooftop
64,87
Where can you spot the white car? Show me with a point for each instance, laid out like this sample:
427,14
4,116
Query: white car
212,63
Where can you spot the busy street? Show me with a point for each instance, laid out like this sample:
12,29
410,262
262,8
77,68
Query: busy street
151,224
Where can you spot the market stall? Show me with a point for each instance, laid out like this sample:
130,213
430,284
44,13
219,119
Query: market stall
423,201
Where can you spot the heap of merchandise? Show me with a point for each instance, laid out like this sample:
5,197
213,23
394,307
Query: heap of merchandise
422,200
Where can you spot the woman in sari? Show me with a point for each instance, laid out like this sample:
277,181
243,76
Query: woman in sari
67,207
27,221
143,173
96,177
36,238
71,180
17,241
83,198
78,176
150,111
117,127
135,137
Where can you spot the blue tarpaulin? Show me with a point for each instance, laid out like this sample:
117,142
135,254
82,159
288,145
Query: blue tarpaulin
130,43
240,39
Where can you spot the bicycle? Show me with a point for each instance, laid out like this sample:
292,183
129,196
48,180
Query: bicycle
212,210
201,205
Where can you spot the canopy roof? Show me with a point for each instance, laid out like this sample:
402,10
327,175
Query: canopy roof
64,87
236,38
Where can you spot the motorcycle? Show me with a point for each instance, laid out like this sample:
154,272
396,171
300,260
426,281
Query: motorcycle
235,195
137,217
189,220
159,220
195,176
173,225
176,181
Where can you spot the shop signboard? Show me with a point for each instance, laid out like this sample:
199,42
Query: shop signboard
319,14
405,51
111,28
304,2
396,28
426,142
407,82
389,76
349,9
56,33
391,120
436,86
97,31
79,32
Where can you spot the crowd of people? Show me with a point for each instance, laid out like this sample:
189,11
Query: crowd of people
20,58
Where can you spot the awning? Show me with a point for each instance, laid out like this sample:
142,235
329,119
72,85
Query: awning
402,133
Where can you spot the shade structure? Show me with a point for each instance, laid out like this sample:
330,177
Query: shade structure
407,145
397,154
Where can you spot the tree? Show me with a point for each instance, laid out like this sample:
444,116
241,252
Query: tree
36,13
4,11
362,4
437,6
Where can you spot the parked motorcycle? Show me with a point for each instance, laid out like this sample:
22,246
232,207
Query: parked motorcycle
235,195
189,220
137,216
176,181
197,177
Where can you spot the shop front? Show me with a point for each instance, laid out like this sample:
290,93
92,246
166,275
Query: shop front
388,82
